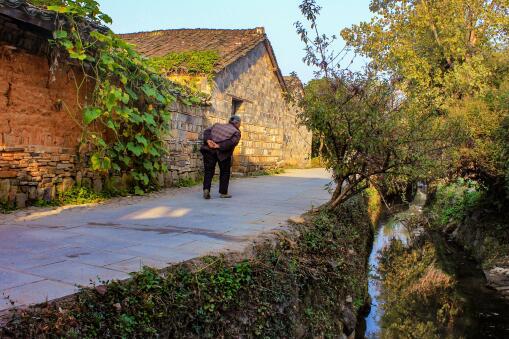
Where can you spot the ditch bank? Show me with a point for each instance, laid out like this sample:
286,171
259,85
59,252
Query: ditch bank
428,286
307,281
485,236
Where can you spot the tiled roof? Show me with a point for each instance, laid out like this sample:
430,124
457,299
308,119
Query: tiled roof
231,44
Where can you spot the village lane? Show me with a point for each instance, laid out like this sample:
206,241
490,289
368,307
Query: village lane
45,256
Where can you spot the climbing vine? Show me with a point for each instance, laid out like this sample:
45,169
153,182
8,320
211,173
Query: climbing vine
127,118
189,62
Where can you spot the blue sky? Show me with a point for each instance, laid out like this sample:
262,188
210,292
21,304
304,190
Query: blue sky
277,16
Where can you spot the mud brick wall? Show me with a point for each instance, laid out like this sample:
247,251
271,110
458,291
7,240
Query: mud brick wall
268,121
38,109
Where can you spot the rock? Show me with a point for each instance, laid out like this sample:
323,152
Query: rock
5,187
160,179
297,220
46,196
126,182
86,182
98,185
79,178
67,184
349,320
21,200
32,193
8,174
349,299
102,289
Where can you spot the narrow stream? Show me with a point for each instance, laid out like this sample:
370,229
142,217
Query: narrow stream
485,314
388,230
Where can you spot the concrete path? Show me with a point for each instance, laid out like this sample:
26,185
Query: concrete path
44,256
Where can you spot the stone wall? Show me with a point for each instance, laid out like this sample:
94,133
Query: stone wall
40,129
297,140
184,159
268,120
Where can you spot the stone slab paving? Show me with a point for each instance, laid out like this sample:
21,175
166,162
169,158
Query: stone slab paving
48,255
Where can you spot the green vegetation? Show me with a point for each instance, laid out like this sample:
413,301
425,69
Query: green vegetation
453,202
291,286
369,134
317,162
430,105
75,196
6,208
127,118
267,172
188,182
81,195
189,62
466,208
449,58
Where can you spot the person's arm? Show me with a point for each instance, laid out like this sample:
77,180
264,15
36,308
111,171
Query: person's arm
230,144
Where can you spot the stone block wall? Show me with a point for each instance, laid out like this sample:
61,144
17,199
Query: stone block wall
297,139
40,130
32,173
271,135
184,159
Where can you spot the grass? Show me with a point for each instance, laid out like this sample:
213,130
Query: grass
75,196
267,172
6,208
486,236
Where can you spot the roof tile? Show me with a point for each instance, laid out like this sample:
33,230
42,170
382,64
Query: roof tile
231,44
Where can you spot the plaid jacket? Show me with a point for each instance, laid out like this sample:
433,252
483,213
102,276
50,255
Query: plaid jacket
227,136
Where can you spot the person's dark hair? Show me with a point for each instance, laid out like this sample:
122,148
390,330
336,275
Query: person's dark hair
234,119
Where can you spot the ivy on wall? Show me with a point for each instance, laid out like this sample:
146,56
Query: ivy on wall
188,62
127,118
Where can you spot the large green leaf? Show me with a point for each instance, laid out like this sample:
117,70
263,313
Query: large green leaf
135,149
90,114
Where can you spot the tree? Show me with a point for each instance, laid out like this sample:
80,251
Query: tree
448,57
372,134
437,49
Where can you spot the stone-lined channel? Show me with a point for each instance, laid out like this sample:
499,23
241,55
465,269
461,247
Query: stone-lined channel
486,313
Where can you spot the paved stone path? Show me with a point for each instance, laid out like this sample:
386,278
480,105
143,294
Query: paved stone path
44,256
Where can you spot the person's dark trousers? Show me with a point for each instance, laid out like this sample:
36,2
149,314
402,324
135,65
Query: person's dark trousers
209,163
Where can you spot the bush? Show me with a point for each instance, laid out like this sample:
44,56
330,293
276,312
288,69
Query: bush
454,201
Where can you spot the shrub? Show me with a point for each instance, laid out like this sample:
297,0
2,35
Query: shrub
454,201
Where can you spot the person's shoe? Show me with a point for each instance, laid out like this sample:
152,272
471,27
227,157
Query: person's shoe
206,194
225,196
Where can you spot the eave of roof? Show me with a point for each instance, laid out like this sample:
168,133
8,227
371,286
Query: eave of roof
24,12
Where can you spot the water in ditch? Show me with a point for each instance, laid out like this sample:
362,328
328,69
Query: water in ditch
483,315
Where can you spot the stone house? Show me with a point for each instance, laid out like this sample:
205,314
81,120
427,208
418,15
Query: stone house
246,81
40,130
